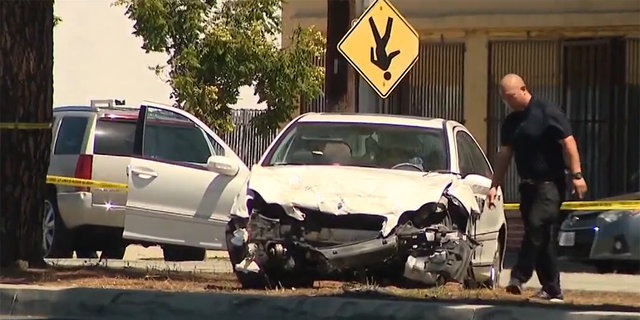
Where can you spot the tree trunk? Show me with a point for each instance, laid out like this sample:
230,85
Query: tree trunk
26,96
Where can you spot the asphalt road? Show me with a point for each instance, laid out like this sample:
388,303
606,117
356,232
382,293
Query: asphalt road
574,277
35,318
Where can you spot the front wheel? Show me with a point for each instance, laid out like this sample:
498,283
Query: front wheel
116,252
270,279
176,253
494,273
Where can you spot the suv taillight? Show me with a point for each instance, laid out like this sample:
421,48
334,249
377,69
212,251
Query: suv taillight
84,166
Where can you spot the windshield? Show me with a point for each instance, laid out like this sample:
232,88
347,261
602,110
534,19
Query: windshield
358,144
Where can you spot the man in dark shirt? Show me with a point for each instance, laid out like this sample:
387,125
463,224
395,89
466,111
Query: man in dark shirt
536,134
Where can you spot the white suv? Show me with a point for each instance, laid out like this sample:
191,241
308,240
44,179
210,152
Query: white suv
116,143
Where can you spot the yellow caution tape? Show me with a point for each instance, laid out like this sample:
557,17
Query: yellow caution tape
25,126
75,182
570,205
590,205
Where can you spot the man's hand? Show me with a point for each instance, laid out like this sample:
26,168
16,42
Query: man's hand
502,164
579,188
491,197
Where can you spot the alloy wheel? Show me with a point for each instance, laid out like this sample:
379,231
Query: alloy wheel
48,227
494,273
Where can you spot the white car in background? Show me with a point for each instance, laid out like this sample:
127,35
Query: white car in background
400,198
182,179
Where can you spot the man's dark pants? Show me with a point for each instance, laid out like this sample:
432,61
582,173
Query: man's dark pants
540,209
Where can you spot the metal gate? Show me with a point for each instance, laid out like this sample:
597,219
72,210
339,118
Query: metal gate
317,104
628,136
593,82
434,88
539,63
244,139
589,99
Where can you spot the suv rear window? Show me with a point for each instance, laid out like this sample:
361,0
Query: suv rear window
71,135
114,137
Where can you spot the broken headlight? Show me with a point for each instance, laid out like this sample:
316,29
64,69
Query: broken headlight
431,213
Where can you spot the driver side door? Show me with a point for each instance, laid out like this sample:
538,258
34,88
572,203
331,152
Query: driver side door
173,197
475,166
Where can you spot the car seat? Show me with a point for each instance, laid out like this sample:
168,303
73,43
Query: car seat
337,152
434,161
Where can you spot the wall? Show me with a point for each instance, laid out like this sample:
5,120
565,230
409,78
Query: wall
97,57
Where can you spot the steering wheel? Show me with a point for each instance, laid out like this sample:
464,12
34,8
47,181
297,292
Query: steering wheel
408,167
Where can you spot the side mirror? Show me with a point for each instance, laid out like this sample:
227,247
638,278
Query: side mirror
222,165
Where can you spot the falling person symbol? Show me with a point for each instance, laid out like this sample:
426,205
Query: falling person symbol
379,56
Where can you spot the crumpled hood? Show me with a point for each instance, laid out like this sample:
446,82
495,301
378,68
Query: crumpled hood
345,190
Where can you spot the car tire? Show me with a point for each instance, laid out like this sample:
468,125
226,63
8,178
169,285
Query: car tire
261,280
175,253
116,252
236,255
496,269
605,266
56,238
83,254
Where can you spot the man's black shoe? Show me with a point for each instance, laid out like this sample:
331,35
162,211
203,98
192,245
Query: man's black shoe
543,295
514,286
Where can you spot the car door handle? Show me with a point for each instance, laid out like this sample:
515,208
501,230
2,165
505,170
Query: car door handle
144,174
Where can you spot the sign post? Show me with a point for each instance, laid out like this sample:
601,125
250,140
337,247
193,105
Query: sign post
382,46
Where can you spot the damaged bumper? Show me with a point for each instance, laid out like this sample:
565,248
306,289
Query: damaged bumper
360,255
429,255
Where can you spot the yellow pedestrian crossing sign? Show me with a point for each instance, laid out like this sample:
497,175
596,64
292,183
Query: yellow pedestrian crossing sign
382,46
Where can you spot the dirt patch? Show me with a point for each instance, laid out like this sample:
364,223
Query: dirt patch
171,280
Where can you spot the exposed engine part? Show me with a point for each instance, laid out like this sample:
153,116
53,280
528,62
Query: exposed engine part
248,264
416,269
252,248
240,237
426,246
277,250
448,259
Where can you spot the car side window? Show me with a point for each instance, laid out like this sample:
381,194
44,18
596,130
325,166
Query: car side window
464,156
480,164
172,137
475,161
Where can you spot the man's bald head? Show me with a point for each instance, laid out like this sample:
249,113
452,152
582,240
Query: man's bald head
514,92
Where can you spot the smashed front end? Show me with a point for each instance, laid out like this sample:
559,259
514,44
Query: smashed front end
429,245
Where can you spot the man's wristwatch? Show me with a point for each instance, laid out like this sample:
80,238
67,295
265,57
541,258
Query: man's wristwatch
577,175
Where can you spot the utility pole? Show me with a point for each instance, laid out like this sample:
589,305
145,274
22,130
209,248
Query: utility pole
368,101
339,75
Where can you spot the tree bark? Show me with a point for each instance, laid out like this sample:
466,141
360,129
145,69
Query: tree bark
26,96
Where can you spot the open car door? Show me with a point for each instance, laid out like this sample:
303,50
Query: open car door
176,196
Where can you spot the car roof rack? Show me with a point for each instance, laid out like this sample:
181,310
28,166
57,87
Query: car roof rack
107,103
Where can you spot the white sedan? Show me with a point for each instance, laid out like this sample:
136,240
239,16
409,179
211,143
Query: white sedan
391,197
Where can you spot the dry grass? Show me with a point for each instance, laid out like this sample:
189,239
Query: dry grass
172,280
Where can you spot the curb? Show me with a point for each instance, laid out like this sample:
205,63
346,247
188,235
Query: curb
140,304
